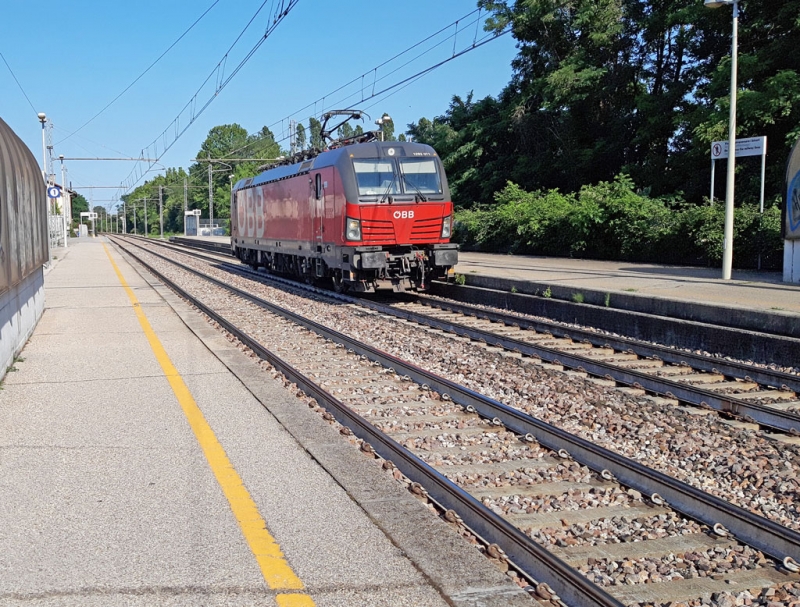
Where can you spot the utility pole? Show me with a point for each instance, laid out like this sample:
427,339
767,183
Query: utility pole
146,233
210,198
65,202
293,136
161,211
43,120
185,195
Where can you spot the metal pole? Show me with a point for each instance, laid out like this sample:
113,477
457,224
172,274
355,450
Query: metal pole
64,201
210,199
161,212
43,120
134,219
763,175
713,166
124,216
727,251
146,233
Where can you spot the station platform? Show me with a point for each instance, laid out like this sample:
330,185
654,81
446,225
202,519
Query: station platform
749,290
145,460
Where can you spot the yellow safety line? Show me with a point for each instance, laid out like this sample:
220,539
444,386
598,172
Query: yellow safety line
276,571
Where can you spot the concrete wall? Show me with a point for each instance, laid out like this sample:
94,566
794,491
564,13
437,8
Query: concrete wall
21,307
791,261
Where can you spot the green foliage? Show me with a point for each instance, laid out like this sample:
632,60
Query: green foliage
300,136
578,297
315,126
344,131
604,87
460,279
79,205
223,142
611,220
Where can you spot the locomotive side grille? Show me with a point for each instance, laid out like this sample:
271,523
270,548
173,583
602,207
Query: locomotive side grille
425,230
375,230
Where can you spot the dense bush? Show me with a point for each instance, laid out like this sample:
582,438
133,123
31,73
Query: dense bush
611,220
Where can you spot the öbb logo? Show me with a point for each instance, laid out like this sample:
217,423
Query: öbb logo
404,214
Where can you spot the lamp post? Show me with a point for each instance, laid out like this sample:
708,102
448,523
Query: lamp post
381,120
65,201
727,250
43,119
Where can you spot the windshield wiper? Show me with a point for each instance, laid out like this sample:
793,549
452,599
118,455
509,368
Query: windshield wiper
389,189
414,187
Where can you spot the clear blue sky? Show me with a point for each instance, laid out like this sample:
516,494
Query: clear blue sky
73,58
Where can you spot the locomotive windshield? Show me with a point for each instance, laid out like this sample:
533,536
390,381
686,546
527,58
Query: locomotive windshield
376,177
381,177
420,175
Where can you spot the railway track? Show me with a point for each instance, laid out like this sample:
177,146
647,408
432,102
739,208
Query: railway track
751,393
515,481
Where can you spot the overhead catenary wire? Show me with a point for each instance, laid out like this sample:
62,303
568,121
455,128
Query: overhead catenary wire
373,71
140,76
394,88
397,86
18,84
279,14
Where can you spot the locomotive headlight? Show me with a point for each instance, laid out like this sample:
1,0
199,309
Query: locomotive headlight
353,230
447,226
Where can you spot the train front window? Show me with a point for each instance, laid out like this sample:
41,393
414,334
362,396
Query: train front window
376,177
420,176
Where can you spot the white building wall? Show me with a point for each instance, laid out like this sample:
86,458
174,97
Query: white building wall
21,307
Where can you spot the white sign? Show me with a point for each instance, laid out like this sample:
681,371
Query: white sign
752,146
53,192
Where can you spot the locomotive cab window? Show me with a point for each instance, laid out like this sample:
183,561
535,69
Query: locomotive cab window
376,177
420,176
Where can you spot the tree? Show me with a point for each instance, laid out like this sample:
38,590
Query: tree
315,126
79,205
604,87
301,137
345,131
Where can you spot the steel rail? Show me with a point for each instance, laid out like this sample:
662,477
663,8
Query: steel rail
766,416
768,536
776,379
521,550
776,419
764,377
782,421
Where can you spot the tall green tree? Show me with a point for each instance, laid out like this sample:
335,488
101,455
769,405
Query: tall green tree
602,87
345,131
300,136
315,126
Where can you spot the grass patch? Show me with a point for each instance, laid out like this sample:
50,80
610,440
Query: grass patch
577,297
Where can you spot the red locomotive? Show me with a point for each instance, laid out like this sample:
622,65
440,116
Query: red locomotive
364,214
